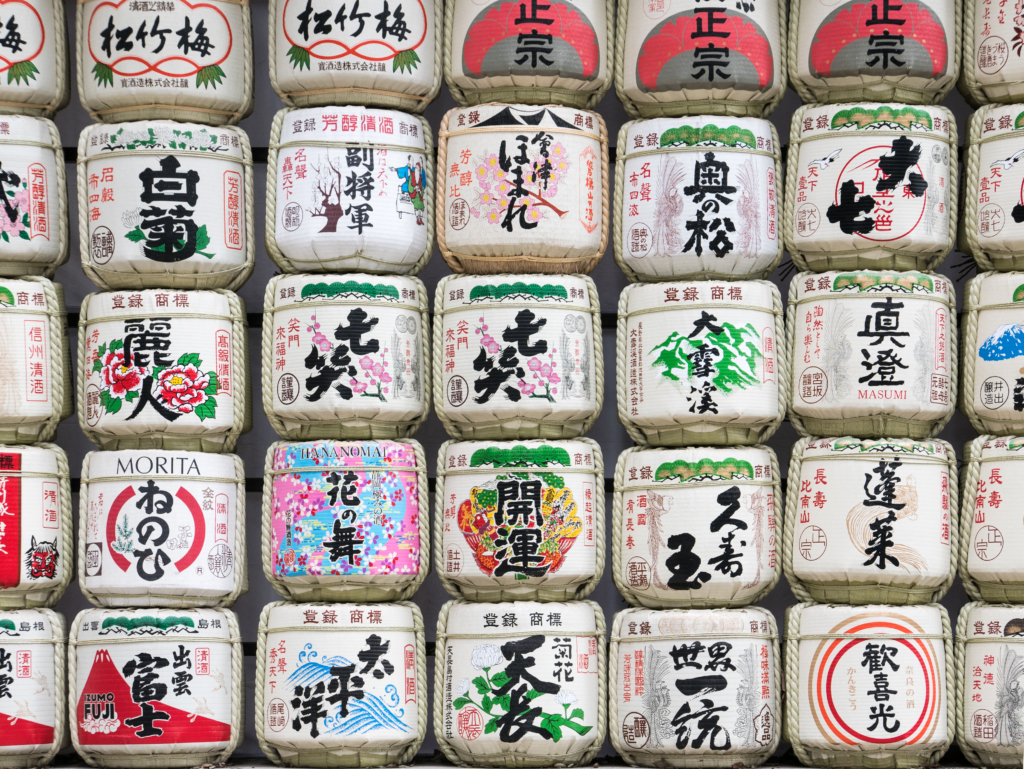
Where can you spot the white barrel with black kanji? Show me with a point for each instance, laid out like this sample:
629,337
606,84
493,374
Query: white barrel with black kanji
164,369
697,198
350,189
521,520
696,527
37,64
36,537
162,528
370,661
33,686
874,353
175,60
701,363
886,513
869,686
695,688
346,356
520,684
165,205
991,67
391,61
871,186
155,687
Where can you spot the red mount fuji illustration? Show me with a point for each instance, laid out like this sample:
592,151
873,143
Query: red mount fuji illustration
181,728
24,732
498,23
847,26
683,32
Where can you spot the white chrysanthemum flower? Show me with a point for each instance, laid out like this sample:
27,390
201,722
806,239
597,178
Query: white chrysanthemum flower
566,697
486,656
131,218
462,688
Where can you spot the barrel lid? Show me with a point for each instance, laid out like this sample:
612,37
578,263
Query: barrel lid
675,296
157,302
520,118
865,448
310,456
470,456
697,132
140,625
817,121
169,135
341,616
869,283
25,625
521,618
113,465
21,128
466,291
695,465
398,290
34,459
640,625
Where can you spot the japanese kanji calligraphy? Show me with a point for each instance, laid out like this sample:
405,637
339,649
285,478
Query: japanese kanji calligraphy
32,83
31,700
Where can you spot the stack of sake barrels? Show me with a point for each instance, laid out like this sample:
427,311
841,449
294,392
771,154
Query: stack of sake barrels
871,518
989,654
346,384
36,539
518,377
167,233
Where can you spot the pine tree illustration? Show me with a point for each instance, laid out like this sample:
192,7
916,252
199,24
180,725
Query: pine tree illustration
124,542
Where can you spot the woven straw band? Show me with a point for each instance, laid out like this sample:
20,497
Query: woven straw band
27,143
137,107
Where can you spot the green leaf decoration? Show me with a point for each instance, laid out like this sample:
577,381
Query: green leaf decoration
538,291
116,344
23,70
211,75
211,389
4,236
492,726
735,368
577,713
405,60
7,624
158,371
689,135
104,75
190,357
552,724
487,702
23,235
207,411
131,395
110,404
460,703
520,456
532,694
96,365
330,290
299,57
481,685
726,468
136,235
499,679
102,349
6,297
202,238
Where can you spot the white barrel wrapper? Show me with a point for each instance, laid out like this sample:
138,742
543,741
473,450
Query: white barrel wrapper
389,59
350,188
517,356
162,528
883,510
844,52
346,356
696,527
667,711
341,685
33,686
668,64
496,649
34,215
871,186
880,699
989,664
701,363
874,353
521,520
550,53
697,197
163,369
194,65
156,686
522,189
165,205
37,74
991,70
36,548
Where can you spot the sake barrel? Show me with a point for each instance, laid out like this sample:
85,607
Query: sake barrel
681,58
522,520
391,60
857,51
561,54
714,368
33,686
37,65
696,527
34,218
370,659
989,557
368,376
36,391
165,205
350,189
868,686
346,521
874,353
156,686
522,189
989,658
656,661
162,528
893,191
193,64
991,70
697,198
884,510
530,346
36,539
164,369
547,661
